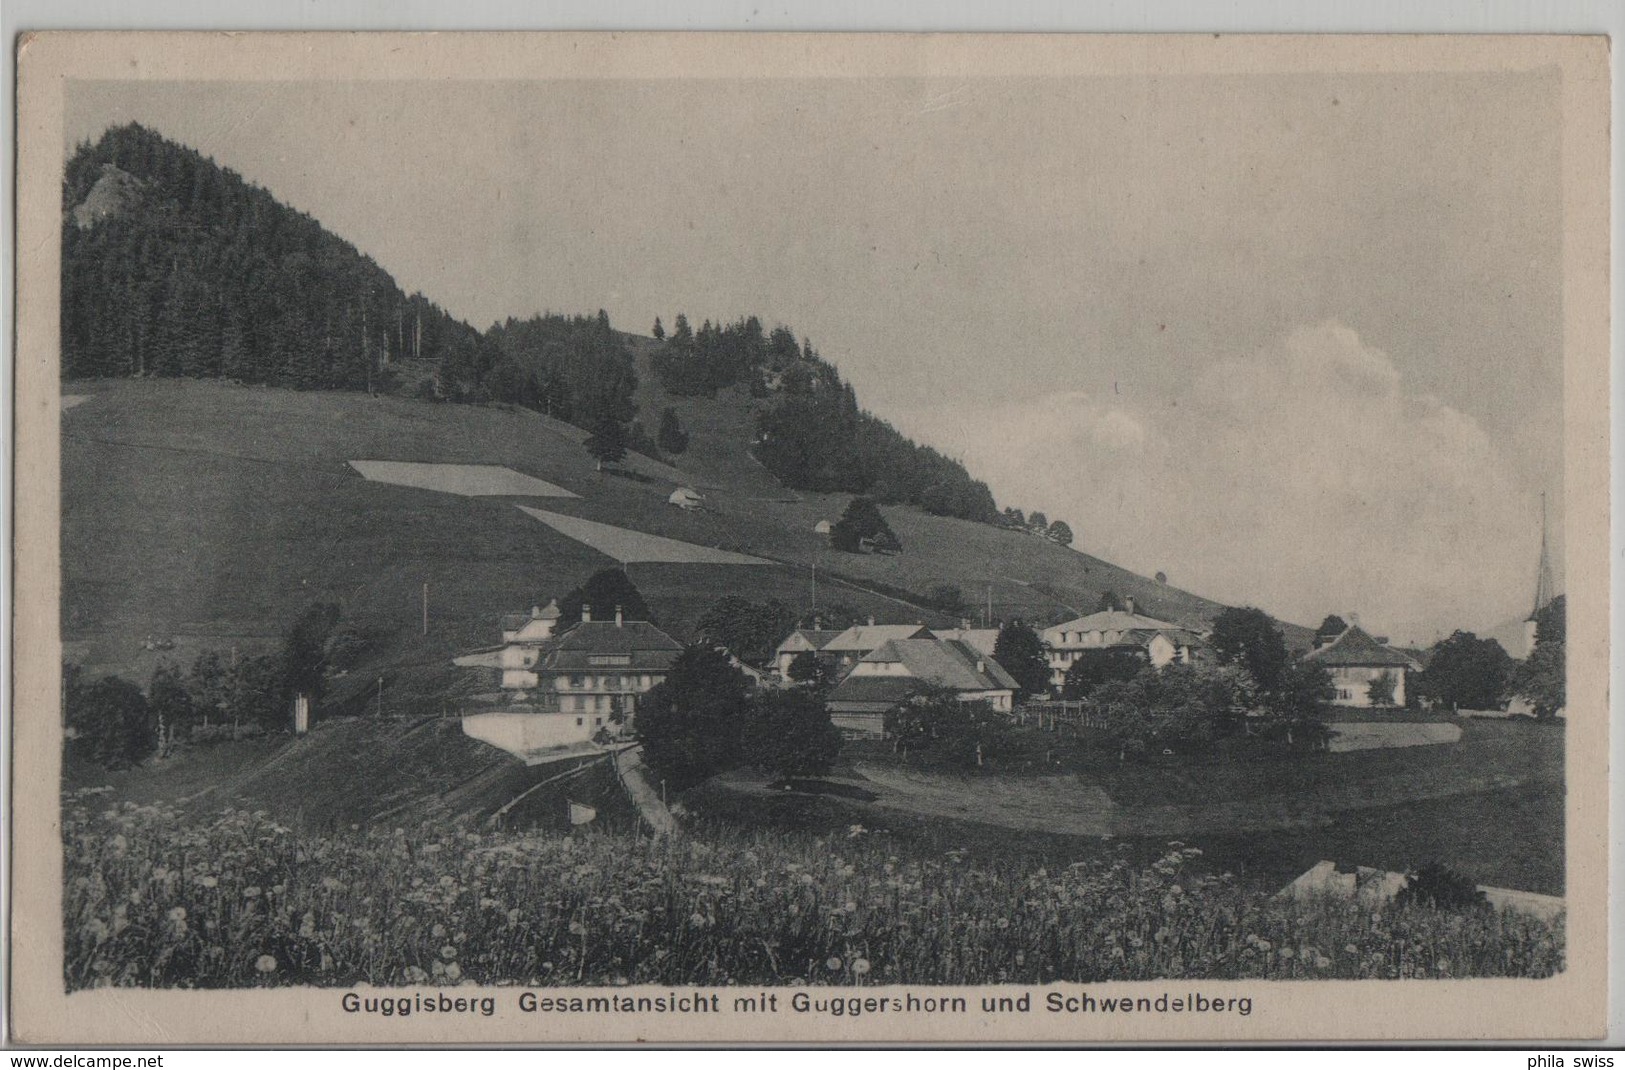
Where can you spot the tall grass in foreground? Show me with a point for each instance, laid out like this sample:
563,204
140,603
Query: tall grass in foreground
153,900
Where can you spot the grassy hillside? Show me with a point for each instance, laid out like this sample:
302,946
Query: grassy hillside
210,515
361,772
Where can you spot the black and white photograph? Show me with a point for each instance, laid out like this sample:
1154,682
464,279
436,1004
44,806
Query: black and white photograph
1073,546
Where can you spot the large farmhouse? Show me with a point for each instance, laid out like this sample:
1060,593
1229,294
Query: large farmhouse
1156,641
1355,660
888,675
566,688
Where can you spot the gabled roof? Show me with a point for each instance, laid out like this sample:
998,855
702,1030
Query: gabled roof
983,639
646,645
861,638
512,622
1356,648
872,692
1112,620
945,663
816,638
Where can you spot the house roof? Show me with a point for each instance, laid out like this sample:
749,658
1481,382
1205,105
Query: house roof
945,663
815,638
647,645
861,638
1111,620
864,693
1356,648
983,639
512,622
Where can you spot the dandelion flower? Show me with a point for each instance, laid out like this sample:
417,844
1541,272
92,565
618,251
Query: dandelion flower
1286,952
454,971
265,964
417,974
834,962
438,931
1351,949
177,914
448,953
209,882
251,892
860,966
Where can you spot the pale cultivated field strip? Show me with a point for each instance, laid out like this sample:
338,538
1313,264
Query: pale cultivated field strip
636,547
470,480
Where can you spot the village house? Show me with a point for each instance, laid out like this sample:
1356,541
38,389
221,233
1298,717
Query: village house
523,636
845,649
890,674
801,641
1158,642
983,639
599,668
686,498
1355,659
568,688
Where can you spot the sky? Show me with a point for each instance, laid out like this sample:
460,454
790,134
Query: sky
1295,340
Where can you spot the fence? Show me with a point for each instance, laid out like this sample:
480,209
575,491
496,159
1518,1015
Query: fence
1051,715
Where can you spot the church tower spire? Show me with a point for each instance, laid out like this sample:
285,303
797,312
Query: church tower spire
1545,589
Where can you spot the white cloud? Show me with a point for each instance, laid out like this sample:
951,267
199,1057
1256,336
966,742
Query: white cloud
1304,478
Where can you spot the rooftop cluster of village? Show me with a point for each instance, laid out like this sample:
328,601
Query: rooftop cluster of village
559,682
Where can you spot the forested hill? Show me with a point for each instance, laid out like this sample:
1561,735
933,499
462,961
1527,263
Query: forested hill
175,266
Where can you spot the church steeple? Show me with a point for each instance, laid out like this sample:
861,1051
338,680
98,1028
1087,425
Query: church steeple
1545,589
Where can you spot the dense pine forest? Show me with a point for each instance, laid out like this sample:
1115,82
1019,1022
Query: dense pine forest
814,436
175,266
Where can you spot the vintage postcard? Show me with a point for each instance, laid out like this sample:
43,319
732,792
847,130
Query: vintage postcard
848,539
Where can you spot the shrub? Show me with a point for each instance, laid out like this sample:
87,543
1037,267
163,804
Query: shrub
1436,885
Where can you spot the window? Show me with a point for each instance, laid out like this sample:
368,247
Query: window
609,659
577,681
580,721
597,720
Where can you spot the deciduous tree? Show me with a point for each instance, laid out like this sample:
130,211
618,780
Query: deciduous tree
1022,653
692,724
789,733
1249,637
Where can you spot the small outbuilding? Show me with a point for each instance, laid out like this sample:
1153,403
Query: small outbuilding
686,498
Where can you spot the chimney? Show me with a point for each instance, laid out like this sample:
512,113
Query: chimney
1128,606
981,667
1354,620
964,624
586,613
617,616
871,620
535,611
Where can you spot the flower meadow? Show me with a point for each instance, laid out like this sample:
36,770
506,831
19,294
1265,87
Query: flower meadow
154,898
